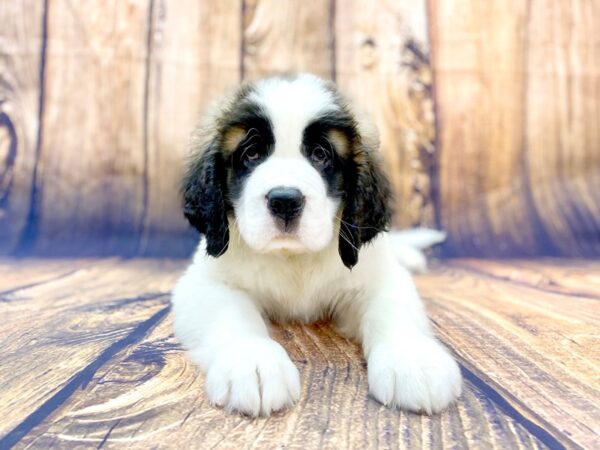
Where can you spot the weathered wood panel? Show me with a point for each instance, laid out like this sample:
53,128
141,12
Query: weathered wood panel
97,100
478,58
518,108
151,395
530,354
194,50
538,346
382,61
92,157
287,36
32,272
21,69
562,139
575,278
62,328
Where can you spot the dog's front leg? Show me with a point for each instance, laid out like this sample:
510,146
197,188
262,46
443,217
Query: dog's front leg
407,367
226,336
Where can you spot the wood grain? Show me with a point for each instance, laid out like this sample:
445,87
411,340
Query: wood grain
540,347
287,36
489,113
575,278
15,276
92,157
382,61
479,78
59,328
108,372
150,394
21,50
518,112
562,92
194,51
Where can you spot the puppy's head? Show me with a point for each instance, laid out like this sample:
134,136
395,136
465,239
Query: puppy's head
287,162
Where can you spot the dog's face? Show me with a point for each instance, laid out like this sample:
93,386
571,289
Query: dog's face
288,162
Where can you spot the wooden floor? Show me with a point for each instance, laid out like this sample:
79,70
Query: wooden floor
87,359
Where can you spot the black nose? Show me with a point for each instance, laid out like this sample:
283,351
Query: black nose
285,203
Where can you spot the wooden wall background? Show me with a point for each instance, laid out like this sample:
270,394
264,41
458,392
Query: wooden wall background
489,113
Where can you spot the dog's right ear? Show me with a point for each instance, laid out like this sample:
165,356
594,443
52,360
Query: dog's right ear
204,197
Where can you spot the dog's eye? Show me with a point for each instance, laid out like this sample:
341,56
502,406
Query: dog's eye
320,156
252,154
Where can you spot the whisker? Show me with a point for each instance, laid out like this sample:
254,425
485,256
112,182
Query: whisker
348,240
344,234
238,235
358,226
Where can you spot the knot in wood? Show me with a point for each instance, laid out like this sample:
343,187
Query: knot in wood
368,53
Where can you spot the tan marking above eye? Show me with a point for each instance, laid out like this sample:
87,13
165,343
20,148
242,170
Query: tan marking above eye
339,141
232,137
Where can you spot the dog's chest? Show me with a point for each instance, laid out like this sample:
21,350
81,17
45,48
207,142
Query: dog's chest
294,291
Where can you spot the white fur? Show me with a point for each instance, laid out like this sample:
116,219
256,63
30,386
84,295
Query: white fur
294,102
256,225
419,238
222,305
408,246
288,168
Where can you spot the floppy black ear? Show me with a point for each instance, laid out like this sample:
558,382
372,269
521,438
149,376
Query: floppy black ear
204,193
367,209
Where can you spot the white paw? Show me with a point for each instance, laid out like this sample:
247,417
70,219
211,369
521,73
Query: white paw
256,377
418,376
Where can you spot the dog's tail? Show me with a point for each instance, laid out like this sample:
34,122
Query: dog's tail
408,246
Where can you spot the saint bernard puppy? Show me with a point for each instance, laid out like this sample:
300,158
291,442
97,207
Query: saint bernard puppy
286,186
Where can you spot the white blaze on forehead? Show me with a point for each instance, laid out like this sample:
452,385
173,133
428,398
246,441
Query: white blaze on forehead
292,104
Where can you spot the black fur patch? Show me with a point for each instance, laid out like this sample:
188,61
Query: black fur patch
259,138
204,199
367,209
356,178
214,179
315,139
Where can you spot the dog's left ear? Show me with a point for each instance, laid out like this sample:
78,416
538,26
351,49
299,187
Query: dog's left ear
204,198
367,210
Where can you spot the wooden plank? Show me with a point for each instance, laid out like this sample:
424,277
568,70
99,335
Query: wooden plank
92,156
61,330
519,116
563,122
575,278
479,78
21,65
21,274
382,61
195,50
150,394
287,36
540,349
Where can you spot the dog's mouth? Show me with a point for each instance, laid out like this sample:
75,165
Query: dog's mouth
287,242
